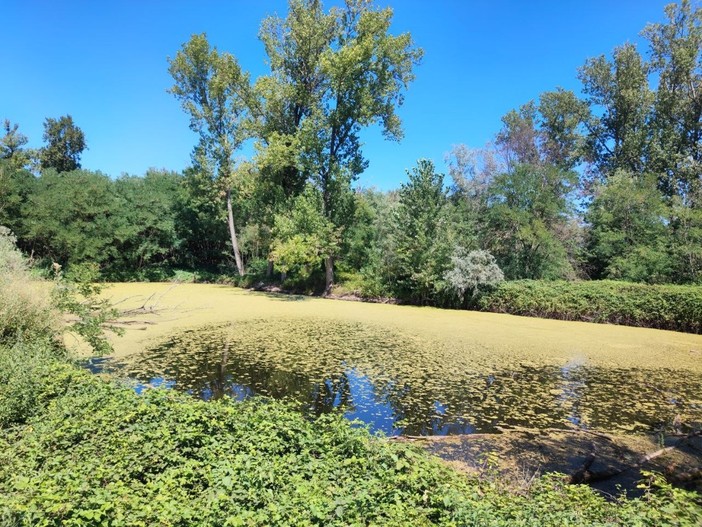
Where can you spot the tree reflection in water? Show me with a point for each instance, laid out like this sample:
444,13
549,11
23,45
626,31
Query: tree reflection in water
399,385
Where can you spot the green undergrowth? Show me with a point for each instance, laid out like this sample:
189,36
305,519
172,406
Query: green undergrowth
93,452
673,307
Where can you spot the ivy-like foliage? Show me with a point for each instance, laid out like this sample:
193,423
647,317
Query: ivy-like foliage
99,454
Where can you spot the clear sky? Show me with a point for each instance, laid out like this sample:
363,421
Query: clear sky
105,64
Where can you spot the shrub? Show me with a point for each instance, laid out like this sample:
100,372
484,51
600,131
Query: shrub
673,307
472,271
24,368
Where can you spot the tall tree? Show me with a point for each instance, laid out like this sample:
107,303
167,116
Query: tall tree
526,209
16,185
303,238
331,75
70,218
213,90
65,143
518,139
420,249
676,57
627,238
618,92
561,118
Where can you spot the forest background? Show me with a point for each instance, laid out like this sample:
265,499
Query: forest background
601,184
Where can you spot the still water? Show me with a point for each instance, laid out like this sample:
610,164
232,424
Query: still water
397,384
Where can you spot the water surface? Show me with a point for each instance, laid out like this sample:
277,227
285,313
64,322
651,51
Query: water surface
401,383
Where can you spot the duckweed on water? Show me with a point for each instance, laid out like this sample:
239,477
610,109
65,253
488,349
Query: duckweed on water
402,383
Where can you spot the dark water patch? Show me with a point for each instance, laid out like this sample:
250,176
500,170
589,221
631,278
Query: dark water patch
397,384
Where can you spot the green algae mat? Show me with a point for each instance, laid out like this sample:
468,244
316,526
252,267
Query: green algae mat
409,370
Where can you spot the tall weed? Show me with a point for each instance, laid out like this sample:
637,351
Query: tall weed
25,303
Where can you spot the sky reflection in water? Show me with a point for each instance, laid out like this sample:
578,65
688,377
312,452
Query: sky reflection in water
399,385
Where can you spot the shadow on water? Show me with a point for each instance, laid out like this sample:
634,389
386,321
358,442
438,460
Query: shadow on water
280,296
399,385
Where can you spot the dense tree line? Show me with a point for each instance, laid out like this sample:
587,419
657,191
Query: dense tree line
603,185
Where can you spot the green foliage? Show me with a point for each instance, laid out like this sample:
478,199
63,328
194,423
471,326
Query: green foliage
65,144
673,307
420,252
526,207
145,220
25,309
16,184
200,220
628,233
332,74
675,152
95,453
12,146
617,139
304,237
214,91
686,242
24,366
78,295
69,217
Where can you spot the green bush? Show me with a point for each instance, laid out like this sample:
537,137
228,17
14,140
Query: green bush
99,454
673,307
24,368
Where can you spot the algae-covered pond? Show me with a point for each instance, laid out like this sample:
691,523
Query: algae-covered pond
411,370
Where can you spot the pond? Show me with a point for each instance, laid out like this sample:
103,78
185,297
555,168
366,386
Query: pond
398,382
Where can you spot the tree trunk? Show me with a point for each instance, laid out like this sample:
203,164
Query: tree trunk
232,233
329,278
269,269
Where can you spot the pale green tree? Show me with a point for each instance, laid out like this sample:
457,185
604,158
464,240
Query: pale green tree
472,271
214,90
304,237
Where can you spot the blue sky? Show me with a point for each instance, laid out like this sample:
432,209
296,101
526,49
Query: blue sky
105,63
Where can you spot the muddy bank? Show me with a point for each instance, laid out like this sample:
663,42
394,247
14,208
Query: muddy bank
609,463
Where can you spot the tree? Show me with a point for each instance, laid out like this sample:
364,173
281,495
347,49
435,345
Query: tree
304,237
471,271
627,236
421,247
619,90
65,144
12,146
201,220
518,139
331,75
676,57
526,207
16,185
69,217
561,117
144,220
213,90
